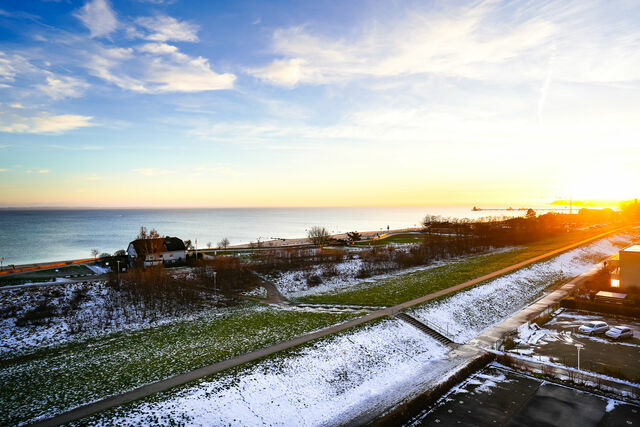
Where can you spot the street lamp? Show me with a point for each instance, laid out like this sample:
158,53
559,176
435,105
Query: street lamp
118,261
214,283
579,347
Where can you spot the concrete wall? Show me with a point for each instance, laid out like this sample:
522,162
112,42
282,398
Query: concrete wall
629,270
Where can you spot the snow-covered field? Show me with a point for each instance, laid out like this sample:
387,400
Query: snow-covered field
323,383
74,311
294,284
467,313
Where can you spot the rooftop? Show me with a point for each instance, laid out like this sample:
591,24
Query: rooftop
633,248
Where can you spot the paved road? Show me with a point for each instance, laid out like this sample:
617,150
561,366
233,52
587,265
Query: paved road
94,278
166,384
43,266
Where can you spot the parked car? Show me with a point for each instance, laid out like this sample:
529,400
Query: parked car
619,333
593,328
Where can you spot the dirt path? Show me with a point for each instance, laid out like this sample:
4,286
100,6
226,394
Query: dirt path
273,294
166,384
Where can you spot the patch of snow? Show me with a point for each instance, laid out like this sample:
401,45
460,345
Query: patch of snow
98,269
490,381
258,292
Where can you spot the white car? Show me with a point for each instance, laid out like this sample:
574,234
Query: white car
593,328
619,332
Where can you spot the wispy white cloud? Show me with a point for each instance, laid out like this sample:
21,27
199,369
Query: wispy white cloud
42,123
3,170
167,28
43,171
216,170
455,44
98,17
160,68
60,87
157,1
152,171
486,42
11,65
77,148
160,48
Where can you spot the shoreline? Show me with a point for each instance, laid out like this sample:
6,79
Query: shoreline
304,241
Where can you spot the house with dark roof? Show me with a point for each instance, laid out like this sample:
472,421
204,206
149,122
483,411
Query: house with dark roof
165,251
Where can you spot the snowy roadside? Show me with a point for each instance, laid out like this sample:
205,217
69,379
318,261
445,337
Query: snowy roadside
466,314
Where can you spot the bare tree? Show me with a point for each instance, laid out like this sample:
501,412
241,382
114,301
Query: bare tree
223,244
209,245
354,236
94,253
319,236
144,235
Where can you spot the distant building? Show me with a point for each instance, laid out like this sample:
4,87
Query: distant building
165,250
627,274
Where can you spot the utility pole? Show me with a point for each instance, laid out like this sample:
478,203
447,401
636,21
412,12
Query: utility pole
571,212
579,347
214,283
118,261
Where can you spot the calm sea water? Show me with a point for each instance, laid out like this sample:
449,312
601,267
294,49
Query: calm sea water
49,235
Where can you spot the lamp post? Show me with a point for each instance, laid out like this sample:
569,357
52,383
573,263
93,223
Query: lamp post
579,347
118,261
214,283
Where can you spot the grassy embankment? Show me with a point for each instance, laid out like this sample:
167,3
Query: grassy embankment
404,287
400,238
46,275
53,379
275,362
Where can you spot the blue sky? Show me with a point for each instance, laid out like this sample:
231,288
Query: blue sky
183,103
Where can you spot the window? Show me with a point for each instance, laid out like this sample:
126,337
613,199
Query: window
615,283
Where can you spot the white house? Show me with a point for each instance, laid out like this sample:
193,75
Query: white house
165,250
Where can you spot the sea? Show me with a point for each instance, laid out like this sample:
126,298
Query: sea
41,235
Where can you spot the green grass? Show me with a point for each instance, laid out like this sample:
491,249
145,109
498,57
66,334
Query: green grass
46,275
395,238
404,287
51,380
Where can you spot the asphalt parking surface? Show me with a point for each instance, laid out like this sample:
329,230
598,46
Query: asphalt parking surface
599,354
501,396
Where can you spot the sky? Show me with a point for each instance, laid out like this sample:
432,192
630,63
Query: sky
152,103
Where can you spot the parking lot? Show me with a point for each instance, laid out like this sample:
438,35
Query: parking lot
500,396
557,339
